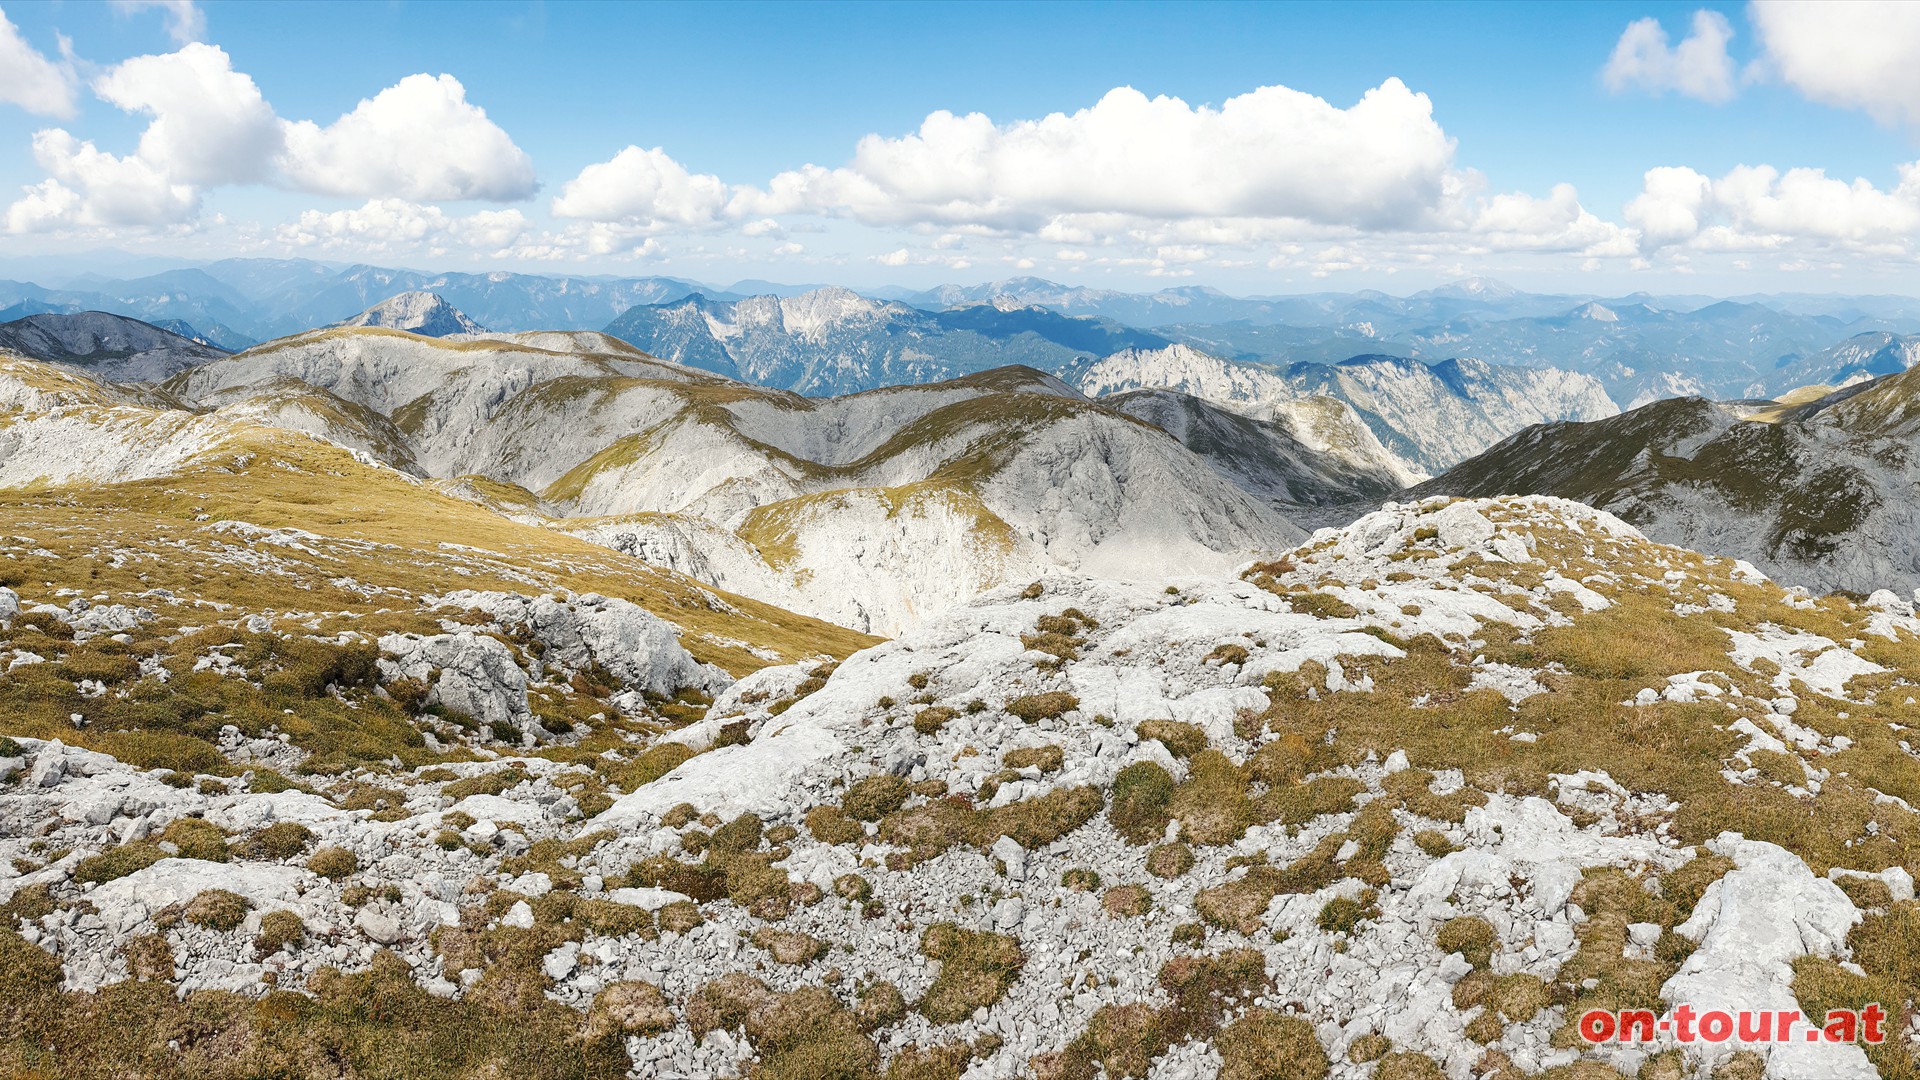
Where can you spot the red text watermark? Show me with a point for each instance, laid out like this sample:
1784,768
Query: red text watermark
1689,1025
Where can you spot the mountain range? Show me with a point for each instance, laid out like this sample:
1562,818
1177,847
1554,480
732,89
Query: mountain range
830,506
240,302
835,341
1640,347
832,341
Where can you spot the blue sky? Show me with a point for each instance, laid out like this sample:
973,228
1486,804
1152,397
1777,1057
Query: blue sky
1678,138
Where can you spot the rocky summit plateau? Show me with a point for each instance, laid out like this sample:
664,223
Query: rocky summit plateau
407,699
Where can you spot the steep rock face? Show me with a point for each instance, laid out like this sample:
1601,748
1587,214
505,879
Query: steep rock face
821,342
1661,385
424,313
1312,451
110,347
1822,497
1111,497
1429,416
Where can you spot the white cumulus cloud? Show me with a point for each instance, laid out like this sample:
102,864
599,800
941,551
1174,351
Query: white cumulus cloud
1516,221
1172,181
210,126
1273,152
1761,208
1855,54
418,139
1697,67
1671,205
1167,182
88,187
1808,203
645,188
30,80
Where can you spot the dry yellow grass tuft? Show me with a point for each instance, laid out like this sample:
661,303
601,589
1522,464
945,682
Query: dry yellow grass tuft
976,968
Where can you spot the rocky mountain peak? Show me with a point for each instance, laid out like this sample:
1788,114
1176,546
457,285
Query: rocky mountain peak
424,313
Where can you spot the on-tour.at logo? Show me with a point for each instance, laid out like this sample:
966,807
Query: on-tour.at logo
1689,1025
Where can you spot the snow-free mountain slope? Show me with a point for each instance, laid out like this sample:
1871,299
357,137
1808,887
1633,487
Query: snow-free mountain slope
1729,349
59,426
1887,407
1819,494
24,308
891,505
1176,311
238,302
111,347
1134,309
423,313
119,470
440,391
881,508
871,510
